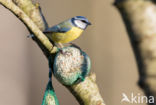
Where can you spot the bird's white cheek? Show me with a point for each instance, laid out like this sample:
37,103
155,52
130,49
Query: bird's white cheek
80,24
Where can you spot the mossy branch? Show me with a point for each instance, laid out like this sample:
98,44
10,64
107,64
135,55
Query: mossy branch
87,92
140,20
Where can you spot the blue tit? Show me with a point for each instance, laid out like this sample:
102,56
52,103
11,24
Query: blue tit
68,30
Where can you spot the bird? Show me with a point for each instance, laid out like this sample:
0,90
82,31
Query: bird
68,30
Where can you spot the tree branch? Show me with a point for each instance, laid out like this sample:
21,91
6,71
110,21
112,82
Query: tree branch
28,13
30,24
32,11
140,20
87,92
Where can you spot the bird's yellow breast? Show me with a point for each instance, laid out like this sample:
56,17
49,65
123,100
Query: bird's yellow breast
66,37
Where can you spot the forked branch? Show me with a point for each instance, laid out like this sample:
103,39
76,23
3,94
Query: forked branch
87,92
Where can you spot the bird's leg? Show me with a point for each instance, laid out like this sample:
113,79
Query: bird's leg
60,47
74,45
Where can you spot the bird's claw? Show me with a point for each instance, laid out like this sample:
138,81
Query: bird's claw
61,50
30,36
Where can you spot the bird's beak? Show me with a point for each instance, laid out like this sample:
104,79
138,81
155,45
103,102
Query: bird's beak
89,23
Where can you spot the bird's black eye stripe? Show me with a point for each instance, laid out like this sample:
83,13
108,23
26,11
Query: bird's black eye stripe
83,21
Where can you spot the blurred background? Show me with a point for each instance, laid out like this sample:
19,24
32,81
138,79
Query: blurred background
24,69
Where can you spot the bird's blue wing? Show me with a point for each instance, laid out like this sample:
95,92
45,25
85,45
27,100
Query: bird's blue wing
57,28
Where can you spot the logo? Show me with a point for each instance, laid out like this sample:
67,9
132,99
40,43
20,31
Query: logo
138,98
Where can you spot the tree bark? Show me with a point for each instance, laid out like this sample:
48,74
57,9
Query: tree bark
140,20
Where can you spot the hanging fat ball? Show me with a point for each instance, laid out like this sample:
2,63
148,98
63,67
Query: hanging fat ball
71,65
